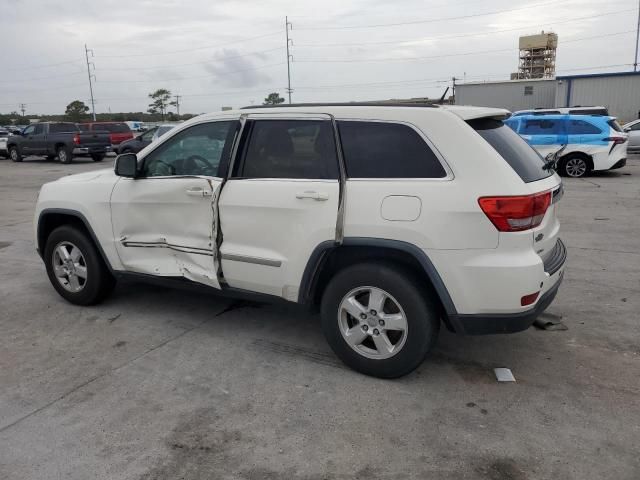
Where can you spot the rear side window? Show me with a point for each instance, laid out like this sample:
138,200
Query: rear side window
581,127
541,126
83,127
526,162
615,125
290,149
387,150
63,128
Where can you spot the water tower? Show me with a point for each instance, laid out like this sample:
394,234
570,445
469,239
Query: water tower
538,56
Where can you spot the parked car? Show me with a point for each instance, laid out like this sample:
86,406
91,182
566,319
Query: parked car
141,141
577,110
61,139
392,219
119,131
4,136
632,129
592,142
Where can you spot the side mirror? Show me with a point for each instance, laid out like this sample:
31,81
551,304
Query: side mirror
127,165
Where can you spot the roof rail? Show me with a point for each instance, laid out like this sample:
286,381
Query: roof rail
345,104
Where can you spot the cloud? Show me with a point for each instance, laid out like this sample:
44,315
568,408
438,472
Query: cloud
229,69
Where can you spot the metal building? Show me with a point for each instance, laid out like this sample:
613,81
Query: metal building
510,94
619,92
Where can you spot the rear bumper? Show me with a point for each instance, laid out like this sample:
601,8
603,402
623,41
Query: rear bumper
505,322
91,150
619,164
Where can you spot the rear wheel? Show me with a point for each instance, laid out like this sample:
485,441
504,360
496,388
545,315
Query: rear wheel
574,166
64,154
75,268
14,154
378,320
97,157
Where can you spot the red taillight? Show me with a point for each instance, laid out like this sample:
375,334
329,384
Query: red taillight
76,139
616,140
514,214
529,299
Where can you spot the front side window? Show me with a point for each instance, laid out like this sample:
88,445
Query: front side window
198,150
386,150
290,149
635,126
28,130
148,135
581,127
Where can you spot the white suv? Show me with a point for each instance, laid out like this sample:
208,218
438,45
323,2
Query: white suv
389,218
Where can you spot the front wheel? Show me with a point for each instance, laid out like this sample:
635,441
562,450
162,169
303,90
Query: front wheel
98,157
75,268
575,166
64,155
14,154
378,319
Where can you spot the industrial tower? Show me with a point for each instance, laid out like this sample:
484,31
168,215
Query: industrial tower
537,56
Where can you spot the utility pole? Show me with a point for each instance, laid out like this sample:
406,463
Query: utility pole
453,90
635,58
23,108
288,25
93,104
177,97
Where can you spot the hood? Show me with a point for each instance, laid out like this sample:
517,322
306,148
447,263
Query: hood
87,176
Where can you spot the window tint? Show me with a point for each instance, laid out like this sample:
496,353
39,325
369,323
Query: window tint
39,130
581,127
28,130
290,149
148,135
387,150
194,151
83,127
526,162
62,127
542,126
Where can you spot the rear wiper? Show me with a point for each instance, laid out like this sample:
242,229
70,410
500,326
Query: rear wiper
551,160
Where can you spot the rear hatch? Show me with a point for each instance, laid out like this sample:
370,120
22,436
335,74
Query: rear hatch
544,187
94,139
119,132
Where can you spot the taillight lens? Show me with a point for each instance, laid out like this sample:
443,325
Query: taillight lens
529,299
514,214
616,140
76,139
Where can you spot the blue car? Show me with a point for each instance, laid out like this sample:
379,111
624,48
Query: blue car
593,142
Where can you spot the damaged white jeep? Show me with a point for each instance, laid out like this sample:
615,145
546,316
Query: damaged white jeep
392,219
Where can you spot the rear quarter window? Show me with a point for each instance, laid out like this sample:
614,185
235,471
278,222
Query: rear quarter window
63,128
524,160
386,150
582,127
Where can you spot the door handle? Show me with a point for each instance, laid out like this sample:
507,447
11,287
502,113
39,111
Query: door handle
318,196
198,192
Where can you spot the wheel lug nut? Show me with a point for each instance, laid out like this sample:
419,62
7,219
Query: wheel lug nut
373,312
365,327
375,331
363,316
381,322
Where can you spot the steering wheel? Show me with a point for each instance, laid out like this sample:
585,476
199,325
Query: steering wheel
195,163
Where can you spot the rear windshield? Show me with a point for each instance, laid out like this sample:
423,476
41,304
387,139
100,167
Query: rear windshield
526,162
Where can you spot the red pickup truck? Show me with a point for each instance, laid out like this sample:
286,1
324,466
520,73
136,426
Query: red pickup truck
118,131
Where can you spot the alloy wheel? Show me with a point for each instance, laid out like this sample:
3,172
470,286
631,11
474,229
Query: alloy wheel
69,267
576,167
372,322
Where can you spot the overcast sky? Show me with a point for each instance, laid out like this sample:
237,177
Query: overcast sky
218,53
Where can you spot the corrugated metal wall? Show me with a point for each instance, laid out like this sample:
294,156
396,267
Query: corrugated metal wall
509,95
620,94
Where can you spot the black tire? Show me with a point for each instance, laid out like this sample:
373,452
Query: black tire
574,166
422,319
14,154
99,282
98,157
65,155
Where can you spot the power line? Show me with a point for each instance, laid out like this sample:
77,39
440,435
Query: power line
445,55
34,67
464,35
192,49
432,20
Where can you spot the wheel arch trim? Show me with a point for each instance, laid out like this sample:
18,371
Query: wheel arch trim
71,213
315,262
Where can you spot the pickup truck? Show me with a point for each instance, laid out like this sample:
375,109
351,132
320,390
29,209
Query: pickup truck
61,139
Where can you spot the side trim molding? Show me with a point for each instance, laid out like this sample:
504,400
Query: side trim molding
255,260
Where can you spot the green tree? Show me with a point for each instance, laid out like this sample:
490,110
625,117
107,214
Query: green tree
160,101
273,99
76,111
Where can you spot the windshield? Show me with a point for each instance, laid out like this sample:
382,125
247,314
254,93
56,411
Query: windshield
526,162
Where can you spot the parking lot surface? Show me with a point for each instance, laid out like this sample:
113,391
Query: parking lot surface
169,384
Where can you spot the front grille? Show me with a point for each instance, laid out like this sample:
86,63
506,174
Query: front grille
556,258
